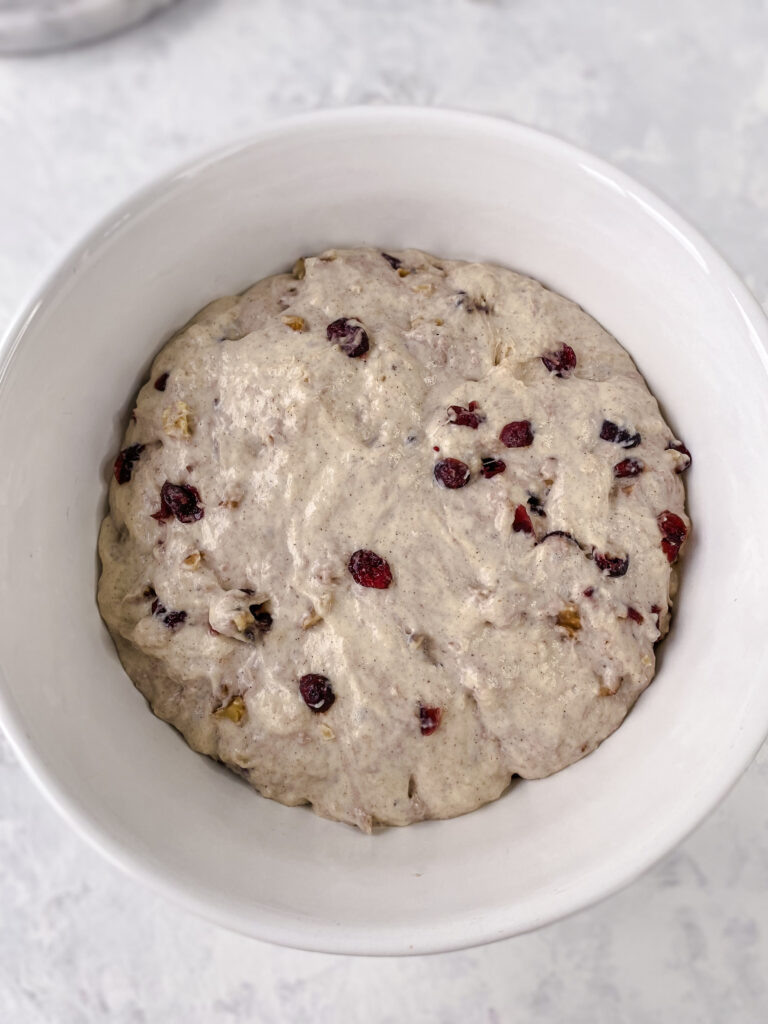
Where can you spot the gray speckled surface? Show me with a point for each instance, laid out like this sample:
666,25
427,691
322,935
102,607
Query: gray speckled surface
676,94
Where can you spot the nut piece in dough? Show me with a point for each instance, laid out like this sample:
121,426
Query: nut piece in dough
177,420
569,619
234,711
296,323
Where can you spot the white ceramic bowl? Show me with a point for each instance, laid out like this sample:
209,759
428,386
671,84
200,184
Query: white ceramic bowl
457,185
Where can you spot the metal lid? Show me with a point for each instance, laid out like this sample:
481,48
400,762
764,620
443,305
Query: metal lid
30,25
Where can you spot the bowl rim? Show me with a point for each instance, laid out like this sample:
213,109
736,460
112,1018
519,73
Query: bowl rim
291,930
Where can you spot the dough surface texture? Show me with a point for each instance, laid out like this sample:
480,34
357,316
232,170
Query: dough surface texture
456,427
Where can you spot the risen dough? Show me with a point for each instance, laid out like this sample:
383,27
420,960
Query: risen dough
526,651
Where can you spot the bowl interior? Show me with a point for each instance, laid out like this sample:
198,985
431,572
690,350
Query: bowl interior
457,186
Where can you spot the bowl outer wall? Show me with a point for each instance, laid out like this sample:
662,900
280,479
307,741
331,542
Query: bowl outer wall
458,185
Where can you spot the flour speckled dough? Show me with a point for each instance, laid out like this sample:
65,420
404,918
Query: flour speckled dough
301,455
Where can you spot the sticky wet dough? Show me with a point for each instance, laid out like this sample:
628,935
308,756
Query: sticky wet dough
503,620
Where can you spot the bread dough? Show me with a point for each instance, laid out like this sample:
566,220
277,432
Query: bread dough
518,625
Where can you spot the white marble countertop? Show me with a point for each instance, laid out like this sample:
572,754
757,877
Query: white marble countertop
677,95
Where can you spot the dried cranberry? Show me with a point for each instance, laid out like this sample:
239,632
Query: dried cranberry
628,467
491,467
452,473
517,434
634,614
611,565
611,432
161,381
673,532
393,261
125,462
174,619
370,570
522,523
563,534
317,692
170,619
262,619
672,527
560,363
462,417
534,504
429,719
678,446
589,592
180,500
627,440
350,335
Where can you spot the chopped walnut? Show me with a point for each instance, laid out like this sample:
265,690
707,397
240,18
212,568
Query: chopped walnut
232,495
327,731
242,621
230,614
193,561
296,323
234,711
403,272
569,619
299,269
177,420
610,684
311,619
318,610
